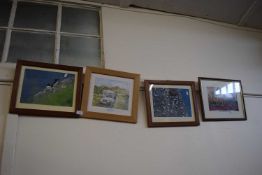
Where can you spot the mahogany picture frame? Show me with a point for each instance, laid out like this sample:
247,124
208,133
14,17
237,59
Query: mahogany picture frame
171,103
110,95
43,89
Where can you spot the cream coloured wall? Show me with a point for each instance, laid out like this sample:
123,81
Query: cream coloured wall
5,91
157,47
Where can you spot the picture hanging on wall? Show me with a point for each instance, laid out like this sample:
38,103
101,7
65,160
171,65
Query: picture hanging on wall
171,103
46,89
110,95
222,99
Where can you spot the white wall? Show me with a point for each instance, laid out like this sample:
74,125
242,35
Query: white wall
5,91
157,47
177,48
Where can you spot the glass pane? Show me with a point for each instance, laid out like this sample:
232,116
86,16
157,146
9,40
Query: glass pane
77,20
37,16
5,8
76,51
2,41
31,46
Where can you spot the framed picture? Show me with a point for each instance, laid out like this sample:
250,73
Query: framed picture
171,103
222,99
43,89
110,95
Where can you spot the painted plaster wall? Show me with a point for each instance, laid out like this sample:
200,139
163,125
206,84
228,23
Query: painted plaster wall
158,47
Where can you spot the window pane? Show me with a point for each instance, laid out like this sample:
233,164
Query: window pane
2,40
5,8
78,51
31,46
77,20
37,16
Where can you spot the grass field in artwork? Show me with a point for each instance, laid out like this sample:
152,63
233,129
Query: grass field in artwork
62,97
47,88
111,94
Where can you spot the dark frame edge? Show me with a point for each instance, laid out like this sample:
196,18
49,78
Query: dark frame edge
220,119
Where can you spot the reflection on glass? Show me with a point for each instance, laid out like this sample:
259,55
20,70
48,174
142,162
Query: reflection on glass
37,16
78,51
5,8
224,98
237,87
224,90
218,92
31,46
230,88
150,87
2,40
77,20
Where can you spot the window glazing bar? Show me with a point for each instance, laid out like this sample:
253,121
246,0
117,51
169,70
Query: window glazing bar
9,31
57,35
31,30
79,35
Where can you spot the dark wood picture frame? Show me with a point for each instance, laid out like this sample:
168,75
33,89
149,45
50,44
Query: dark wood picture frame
159,115
221,99
103,89
28,71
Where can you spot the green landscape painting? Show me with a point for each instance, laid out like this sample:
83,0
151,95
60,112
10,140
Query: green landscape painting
111,93
47,88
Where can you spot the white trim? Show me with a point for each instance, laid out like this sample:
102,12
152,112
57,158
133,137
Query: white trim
72,4
102,54
9,146
8,32
81,6
81,3
39,2
57,35
5,84
79,35
31,30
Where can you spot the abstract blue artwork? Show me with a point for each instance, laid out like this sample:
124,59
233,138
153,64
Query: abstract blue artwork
171,102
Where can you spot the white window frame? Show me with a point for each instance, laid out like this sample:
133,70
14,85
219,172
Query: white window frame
57,32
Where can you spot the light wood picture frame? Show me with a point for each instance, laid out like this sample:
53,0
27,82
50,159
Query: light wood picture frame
110,95
43,89
171,103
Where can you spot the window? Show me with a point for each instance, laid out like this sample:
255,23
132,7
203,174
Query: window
51,32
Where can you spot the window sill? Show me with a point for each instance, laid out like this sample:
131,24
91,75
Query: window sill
7,71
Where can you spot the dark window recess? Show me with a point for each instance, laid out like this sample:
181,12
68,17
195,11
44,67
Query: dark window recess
36,16
31,46
77,20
